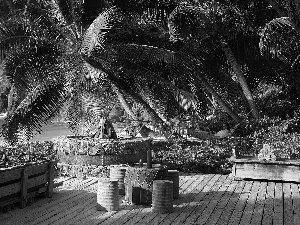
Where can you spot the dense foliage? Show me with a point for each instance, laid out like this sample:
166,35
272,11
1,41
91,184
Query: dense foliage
26,153
97,146
204,156
172,58
201,63
211,156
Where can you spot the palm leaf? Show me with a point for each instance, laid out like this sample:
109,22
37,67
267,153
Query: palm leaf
65,8
12,36
144,53
37,65
97,31
188,20
280,40
42,104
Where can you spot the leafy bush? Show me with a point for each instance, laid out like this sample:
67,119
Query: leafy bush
282,136
272,100
206,156
97,146
25,153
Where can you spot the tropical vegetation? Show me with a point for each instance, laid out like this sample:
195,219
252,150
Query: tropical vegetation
235,62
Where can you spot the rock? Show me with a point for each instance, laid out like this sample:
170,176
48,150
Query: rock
223,133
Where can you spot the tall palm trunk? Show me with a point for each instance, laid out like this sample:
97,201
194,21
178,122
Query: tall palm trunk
240,75
137,98
151,103
11,101
115,81
152,113
123,101
217,97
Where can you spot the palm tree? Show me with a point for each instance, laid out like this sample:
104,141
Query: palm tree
48,66
204,20
175,60
54,58
280,40
40,52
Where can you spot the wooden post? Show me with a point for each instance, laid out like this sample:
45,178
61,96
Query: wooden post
24,182
102,121
49,191
149,159
141,163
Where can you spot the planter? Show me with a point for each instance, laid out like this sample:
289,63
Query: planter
18,184
280,170
139,183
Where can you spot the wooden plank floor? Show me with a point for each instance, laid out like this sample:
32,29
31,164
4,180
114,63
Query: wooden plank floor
204,199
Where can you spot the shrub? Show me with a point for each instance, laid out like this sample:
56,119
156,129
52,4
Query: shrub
21,154
206,156
281,135
97,146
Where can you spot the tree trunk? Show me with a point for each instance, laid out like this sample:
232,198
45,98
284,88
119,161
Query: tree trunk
151,103
240,75
220,101
138,99
152,113
123,102
11,100
118,83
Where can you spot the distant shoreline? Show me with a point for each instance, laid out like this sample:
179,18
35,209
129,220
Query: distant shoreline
49,131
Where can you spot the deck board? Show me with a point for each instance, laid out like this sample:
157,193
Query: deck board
220,207
259,204
183,206
288,205
180,203
224,219
296,203
269,205
241,204
278,205
204,199
151,216
218,191
198,204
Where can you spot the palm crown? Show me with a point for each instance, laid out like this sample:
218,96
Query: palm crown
144,52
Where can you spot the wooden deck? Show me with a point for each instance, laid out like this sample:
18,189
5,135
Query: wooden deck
204,199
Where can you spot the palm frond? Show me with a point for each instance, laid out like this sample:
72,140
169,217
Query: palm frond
12,36
95,36
293,7
188,20
36,109
280,40
65,8
144,53
38,64
99,103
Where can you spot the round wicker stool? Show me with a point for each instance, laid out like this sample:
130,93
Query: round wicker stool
107,195
162,196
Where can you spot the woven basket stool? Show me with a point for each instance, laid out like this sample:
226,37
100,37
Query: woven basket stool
107,195
173,175
118,173
162,196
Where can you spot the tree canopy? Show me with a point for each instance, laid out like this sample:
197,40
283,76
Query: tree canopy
221,56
